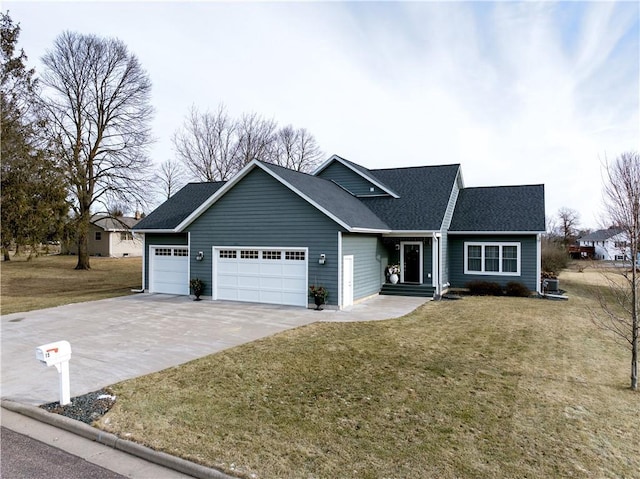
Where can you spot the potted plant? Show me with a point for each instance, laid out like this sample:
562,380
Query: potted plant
197,286
319,294
393,271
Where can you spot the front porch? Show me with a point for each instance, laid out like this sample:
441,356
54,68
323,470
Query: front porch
407,289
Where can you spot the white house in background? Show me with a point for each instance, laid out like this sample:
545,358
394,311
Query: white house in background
111,237
610,244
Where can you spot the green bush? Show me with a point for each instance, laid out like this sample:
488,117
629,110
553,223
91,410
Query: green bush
516,289
484,288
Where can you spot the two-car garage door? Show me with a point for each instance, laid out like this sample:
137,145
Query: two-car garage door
261,275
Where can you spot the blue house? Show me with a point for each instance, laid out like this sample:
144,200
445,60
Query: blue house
270,233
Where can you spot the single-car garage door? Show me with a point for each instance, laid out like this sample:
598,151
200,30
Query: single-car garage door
261,275
169,271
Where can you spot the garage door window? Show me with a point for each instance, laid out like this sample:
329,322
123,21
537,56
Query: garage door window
226,253
294,255
249,254
163,251
275,255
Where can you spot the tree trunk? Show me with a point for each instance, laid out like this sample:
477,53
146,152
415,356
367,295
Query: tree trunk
5,253
83,244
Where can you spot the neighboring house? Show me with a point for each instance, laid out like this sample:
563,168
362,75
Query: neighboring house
269,233
609,244
110,236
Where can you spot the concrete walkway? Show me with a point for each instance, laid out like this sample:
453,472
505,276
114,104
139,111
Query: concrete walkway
121,338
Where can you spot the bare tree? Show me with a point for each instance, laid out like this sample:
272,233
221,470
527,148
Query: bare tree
207,144
256,139
296,149
567,225
99,111
170,178
620,301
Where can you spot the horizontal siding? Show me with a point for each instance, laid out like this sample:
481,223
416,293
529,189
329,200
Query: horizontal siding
528,263
369,261
260,211
349,180
172,239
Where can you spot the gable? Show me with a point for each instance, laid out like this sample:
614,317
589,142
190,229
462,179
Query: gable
352,182
500,209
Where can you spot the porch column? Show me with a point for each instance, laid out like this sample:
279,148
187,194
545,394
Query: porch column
435,263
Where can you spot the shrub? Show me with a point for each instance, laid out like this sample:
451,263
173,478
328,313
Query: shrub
516,289
484,288
554,257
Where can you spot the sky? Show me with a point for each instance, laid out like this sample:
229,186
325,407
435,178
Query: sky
517,93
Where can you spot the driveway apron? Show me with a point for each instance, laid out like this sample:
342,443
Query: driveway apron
122,338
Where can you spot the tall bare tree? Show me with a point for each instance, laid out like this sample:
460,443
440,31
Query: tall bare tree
99,110
297,149
620,303
214,146
169,178
207,144
256,139
567,225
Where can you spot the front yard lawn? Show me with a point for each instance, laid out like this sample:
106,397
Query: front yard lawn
48,281
481,387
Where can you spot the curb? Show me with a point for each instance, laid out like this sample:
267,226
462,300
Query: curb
111,440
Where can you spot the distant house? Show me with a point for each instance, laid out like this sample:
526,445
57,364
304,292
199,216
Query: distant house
111,237
270,233
609,244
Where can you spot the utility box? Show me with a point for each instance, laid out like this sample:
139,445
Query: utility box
54,353
58,354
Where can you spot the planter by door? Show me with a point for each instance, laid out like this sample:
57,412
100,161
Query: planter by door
319,300
393,278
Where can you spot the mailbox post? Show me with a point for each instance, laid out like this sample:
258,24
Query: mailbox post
58,354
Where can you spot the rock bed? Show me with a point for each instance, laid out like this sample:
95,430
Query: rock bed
87,408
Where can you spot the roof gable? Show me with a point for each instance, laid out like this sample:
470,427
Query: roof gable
114,223
500,209
355,179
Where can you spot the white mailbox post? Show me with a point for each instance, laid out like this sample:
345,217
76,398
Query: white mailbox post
58,354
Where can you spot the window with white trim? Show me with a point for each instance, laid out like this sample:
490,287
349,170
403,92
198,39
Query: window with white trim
227,253
492,258
249,254
181,252
271,254
294,255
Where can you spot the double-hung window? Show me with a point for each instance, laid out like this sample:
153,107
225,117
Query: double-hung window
491,258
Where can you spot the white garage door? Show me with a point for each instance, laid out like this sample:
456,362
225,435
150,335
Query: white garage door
169,271
261,275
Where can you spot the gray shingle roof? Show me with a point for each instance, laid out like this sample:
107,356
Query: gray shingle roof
500,208
176,209
424,194
331,197
601,235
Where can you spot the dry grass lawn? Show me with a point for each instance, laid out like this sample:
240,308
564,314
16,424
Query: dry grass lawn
48,281
481,387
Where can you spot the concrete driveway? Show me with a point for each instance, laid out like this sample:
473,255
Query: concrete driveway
122,338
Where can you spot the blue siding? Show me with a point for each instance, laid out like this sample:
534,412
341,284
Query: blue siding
260,211
369,261
528,262
350,180
169,239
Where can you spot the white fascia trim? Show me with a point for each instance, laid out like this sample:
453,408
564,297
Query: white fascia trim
428,233
452,233
455,184
154,231
358,172
369,230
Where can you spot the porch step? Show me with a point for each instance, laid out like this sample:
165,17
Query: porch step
419,290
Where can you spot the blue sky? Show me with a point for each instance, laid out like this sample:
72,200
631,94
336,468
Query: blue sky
518,93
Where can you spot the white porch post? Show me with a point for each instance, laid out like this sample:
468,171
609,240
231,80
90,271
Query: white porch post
435,263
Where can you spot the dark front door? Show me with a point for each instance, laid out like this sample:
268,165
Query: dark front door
412,263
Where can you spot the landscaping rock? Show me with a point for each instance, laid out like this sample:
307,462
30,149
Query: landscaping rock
87,408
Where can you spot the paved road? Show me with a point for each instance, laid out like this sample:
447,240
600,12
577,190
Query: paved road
24,457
